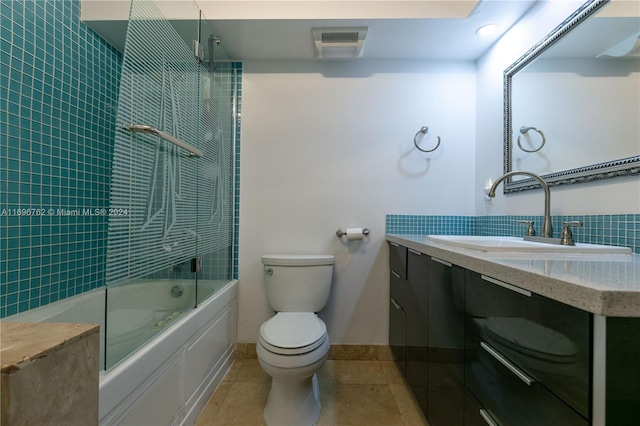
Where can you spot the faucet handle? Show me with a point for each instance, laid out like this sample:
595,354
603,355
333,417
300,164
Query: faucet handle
566,237
530,232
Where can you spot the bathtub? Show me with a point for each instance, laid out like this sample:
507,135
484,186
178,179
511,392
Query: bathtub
169,379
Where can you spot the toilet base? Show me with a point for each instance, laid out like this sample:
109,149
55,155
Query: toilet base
293,402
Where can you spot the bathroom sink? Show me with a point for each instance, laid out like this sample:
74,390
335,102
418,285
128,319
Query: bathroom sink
518,244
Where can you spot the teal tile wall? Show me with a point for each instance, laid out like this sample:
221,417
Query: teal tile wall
237,67
616,230
424,225
220,264
58,89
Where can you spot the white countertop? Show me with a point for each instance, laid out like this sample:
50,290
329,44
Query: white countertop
603,284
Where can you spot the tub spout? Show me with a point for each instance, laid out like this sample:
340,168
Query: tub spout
547,228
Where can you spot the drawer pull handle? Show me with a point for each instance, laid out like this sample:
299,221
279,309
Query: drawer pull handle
415,252
507,286
502,360
396,304
444,262
395,274
394,244
488,418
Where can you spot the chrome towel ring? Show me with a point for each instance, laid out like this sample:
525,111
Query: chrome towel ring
524,130
424,131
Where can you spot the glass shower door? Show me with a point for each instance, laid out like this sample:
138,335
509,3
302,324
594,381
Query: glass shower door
215,197
154,232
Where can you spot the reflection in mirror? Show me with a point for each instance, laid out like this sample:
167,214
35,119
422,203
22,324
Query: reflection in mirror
572,103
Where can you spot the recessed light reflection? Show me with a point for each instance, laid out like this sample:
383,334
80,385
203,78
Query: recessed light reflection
486,30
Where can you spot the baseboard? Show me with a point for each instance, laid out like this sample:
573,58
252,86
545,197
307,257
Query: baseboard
336,352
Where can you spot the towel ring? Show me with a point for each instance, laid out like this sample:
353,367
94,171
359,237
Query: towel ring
524,130
424,131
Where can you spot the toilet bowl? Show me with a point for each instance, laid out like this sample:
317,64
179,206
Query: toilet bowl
291,348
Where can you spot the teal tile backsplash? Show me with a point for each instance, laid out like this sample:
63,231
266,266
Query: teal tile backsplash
58,92
435,225
616,230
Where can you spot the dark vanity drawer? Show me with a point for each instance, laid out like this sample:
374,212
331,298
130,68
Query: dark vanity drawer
508,394
399,293
417,308
398,333
398,260
548,340
474,413
398,289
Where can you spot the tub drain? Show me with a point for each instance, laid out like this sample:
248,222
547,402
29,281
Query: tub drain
177,291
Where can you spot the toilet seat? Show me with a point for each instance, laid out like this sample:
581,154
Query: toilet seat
293,333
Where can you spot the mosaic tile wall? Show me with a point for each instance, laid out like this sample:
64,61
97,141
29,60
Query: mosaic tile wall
58,91
435,225
616,230
236,178
58,100
221,264
233,70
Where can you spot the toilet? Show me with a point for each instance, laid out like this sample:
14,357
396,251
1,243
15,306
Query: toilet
293,344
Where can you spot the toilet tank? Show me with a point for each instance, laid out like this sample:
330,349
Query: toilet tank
297,283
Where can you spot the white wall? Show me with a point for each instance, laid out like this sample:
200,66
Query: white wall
328,145
615,196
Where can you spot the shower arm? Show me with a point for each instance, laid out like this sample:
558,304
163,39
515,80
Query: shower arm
193,152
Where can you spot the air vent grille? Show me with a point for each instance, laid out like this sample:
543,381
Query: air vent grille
339,43
340,37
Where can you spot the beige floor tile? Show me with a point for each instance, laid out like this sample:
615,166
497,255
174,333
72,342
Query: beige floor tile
409,409
354,393
250,371
212,408
233,371
392,373
352,372
243,405
368,404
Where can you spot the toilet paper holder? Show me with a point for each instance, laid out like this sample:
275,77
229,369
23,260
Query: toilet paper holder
340,232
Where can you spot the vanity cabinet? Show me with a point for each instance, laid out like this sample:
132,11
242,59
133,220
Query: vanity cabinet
528,357
478,350
397,299
621,347
417,308
445,378
427,314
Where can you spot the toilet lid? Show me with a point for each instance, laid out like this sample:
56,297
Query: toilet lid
530,338
292,330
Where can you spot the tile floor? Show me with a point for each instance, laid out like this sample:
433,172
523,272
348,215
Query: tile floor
371,393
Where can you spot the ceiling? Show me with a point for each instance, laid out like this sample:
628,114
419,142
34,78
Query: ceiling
281,30
391,39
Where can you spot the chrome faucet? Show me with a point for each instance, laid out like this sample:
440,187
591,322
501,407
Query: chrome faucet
547,228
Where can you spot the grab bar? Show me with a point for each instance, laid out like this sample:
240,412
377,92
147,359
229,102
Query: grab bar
193,152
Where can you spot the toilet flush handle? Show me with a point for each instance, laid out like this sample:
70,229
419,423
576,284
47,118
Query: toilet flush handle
268,271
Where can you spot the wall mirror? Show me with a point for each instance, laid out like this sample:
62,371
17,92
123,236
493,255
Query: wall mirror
572,102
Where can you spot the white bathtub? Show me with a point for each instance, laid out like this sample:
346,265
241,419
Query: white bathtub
170,378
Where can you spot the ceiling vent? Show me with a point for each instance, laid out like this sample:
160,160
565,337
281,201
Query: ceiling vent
339,43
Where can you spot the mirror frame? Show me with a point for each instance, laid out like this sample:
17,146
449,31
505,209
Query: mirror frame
617,168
